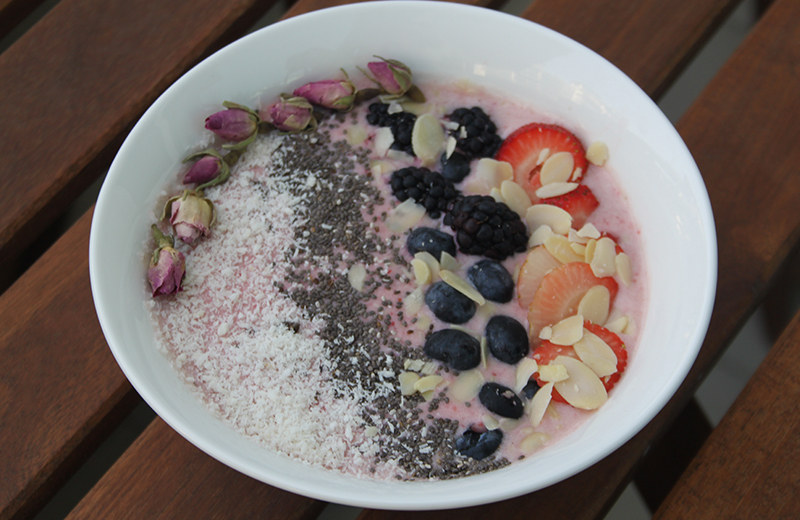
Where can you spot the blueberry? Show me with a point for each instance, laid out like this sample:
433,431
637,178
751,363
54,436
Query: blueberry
507,339
455,167
479,445
454,348
501,400
448,304
530,389
432,241
492,280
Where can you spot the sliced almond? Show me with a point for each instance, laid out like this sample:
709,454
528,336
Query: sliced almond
428,395
493,173
430,261
597,153
618,325
543,155
624,269
538,405
553,372
407,381
413,364
591,245
449,262
484,352
596,354
423,323
546,333
427,383
490,422
462,286
356,135
537,264
576,175
533,442
356,276
422,273
466,386
428,368
383,141
556,218
579,249
604,259
450,147
497,195
525,369
413,302
427,139
539,236
559,246
575,238
555,189
567,331
379,168
582,389
557,168
515,197
405,216
594,305
589,231
370,431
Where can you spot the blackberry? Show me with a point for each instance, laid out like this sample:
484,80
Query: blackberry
401,123
476,135
427,188
486,227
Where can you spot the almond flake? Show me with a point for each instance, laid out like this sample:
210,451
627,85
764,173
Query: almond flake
567,331
413,364
596,354
575,238
539,236
450,147
555,189
383,141
490,422
413,301
430,261
497,195
525,369
461,285
533,442
407,381
604,259
591,245
356,135
618,325
597,153
428,395
559,247
493,173
579,249
543,155
423,323
594,305
556,218
515,197
576,175
546,333
624,270
554,372
356,276
484,352
539,403
370,431
449,262
405,216
589,231
427,139
466,386
428,383
428,368
379,168
582,389
557,168
422,273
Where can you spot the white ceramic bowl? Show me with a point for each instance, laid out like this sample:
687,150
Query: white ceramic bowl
499,51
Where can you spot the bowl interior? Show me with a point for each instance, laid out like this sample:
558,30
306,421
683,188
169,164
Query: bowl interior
505,53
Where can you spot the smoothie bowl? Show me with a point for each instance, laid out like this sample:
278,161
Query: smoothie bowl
362,312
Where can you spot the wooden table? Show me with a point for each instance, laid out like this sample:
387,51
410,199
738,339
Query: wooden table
74,83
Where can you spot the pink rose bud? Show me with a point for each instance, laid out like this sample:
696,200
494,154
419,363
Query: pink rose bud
204,170
338,94
234,124
393,76
167,266
191,215
292,114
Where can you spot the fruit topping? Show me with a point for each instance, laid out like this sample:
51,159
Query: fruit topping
530,389
456,167
449,304
538,263
507,339
454,348
528,147
486,227
476,135
479,445
501,400
559,294
580,203
431,241
401,124
492,280
424,186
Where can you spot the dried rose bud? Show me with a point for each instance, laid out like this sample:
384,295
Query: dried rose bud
238,124
339,94
292,114
167,266
210,168
191,215
394,77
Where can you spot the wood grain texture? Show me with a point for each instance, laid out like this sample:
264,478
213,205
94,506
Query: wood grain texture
60,389
314,5
650,41
192,485
749,466
12,12
75,82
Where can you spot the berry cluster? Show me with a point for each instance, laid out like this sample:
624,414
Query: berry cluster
429,189
401,124
476,135
486,227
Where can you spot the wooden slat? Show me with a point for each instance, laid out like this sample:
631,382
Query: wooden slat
77,80
315,5
749,466
12,12
204,489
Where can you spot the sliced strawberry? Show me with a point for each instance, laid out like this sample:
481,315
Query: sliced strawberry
547,352
580,203
559,294
538,263
523,147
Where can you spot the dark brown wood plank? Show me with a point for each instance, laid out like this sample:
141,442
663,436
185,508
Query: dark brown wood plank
204,488
749,466
12,12
60,389
77,80
754,187
314,5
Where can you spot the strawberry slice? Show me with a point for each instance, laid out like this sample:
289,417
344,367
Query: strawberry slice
580,203
559,294
547,352
522,149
